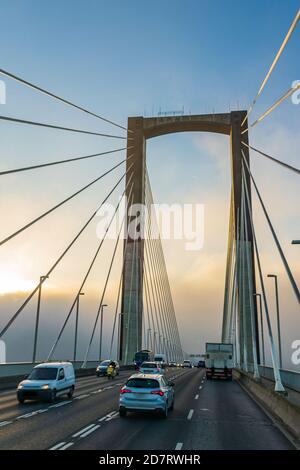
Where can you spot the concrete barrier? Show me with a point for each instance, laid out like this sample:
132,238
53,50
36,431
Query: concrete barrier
12,373
278,405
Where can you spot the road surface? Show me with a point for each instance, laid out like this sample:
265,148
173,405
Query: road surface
207,415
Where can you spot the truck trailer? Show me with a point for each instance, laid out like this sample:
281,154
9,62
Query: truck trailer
219,361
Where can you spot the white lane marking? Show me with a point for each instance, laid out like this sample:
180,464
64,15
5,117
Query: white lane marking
69,444
58,405
191,412
91,430
57,446
196,397
80,397
200,387
204,409
83,430
179,446
97,391
5,423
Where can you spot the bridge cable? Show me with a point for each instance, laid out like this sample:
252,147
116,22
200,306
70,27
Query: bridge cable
61,128
286,165
103,292
277,375
174,323
63,100
286,265
281,49
273,107
59,162
64,201
51,269
94,258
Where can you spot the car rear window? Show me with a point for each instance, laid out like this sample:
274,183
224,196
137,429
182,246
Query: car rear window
149,365
142,383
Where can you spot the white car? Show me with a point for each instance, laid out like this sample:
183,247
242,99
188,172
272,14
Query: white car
187,363
47,381
151,368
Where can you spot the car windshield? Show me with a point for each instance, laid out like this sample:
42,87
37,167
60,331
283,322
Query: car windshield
149,365
105,363
142,383
43,373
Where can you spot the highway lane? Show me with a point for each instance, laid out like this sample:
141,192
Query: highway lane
207,415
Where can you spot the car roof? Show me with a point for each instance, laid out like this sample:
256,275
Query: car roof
145,376
53,364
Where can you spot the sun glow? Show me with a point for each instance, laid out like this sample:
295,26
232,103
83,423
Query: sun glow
12,282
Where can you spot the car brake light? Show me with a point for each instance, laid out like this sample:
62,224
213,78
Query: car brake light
125,390
158,392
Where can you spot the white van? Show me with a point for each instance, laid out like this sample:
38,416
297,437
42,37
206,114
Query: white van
47,381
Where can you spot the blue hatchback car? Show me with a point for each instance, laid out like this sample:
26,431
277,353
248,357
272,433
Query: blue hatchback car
147,392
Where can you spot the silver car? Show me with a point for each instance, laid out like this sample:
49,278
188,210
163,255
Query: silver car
151,368
147,392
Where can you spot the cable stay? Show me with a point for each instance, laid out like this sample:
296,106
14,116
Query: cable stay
44,214
280,51
56,263
85,277
59,162
56,97
286,165
283,258
53,126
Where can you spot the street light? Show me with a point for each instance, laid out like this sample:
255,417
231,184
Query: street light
278,317
261,329
37,319
76,325
101,329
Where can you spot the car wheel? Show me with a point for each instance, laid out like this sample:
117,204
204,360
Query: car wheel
21,400
122,412
70,394
52,397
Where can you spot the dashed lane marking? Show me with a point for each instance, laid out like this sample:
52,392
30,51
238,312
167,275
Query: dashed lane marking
66,446
90,430
81,431
196,397
191,412
179,446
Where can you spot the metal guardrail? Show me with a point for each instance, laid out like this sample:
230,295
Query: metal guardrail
290,378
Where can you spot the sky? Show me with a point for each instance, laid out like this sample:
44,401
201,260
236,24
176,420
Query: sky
133,58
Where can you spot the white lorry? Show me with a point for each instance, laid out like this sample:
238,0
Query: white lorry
219,360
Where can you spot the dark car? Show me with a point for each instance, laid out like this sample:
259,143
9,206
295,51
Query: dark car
102,368
201,364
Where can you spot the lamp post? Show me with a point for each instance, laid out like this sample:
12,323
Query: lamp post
274,276
76,325
37,318
261,329
101,329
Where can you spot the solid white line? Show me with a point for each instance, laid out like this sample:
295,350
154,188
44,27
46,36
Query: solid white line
82,396
83,430
4,423
57,446
179,446
91,430
191,412
59,404
196,397
69,444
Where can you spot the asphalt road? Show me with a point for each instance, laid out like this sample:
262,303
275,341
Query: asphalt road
207,415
